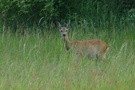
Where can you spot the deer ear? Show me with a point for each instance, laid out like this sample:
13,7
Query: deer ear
68,24
58,25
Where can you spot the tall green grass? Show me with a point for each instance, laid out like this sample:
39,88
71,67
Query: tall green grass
38,61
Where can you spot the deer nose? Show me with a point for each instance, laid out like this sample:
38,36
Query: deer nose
64,35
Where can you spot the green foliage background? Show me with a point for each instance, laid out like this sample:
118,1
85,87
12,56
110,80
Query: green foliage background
99,12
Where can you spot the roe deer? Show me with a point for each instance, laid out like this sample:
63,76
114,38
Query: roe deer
90,48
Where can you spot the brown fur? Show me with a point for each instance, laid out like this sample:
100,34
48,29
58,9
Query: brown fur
90,48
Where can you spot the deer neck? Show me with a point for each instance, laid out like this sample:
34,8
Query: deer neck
67,43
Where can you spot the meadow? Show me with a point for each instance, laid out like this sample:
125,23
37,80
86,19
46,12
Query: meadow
36,61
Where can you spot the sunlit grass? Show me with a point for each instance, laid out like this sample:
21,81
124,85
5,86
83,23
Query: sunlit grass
40,62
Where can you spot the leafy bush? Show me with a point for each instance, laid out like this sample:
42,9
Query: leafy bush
99,12
28,10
